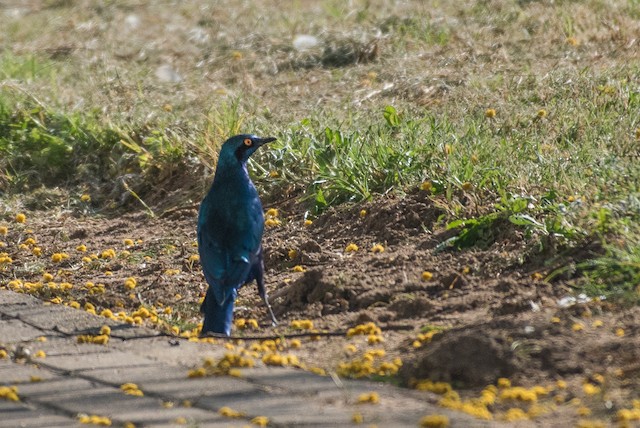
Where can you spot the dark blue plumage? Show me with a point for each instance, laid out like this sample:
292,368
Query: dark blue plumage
230,226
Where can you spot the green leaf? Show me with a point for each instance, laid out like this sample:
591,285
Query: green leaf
320,200
456,223
518,205
391,116
525,220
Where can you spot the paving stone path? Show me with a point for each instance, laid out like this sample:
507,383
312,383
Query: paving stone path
84,379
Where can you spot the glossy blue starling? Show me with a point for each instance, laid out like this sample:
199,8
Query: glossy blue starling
230,226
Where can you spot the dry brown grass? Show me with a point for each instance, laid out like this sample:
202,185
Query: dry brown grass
451,57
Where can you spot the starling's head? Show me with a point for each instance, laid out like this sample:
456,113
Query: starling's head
242,146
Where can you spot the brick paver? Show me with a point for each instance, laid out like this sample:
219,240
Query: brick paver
75,379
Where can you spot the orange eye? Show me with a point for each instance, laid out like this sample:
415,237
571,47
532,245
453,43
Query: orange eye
247,142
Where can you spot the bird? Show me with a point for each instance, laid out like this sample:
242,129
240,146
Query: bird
230,227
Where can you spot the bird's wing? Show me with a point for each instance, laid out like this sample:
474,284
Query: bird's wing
229,245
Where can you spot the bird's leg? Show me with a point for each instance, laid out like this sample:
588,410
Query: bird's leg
274,321
262,291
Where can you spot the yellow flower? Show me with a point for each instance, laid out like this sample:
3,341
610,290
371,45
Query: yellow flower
94,420
624,415
40,354
590,389
434,421
490,113
372,339
369,397
302,324
363,213
128,242
427,276
357,418
4,230
272,222
271,213
555,320
441,388
9,393
351,248
229,412
572,41
58,257
597,323
577,327
298,268
308,222
21,218
426,186
350,348
515,414
292,254
619,332
503,382
318,370
199,372
85,198
131,389
295,343
583,411
368,328
377,248
107,313
537,276
37,251
542,113
130,283
108,254
261,421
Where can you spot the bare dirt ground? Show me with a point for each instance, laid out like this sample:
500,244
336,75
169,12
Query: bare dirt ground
494,318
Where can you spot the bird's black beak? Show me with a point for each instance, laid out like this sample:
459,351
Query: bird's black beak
262,141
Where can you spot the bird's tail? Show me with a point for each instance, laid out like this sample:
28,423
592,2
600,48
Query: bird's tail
217,316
